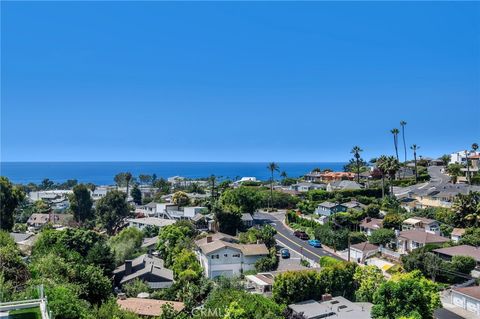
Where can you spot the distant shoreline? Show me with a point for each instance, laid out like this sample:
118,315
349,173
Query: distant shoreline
102,173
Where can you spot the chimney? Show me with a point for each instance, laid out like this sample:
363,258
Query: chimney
209,239
326,297
128,267
369,219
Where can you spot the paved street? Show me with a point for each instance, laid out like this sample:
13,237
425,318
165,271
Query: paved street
437,179
285,237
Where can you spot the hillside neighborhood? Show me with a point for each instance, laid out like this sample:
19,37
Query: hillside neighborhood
326,244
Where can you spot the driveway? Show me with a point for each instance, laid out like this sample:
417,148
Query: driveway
285,237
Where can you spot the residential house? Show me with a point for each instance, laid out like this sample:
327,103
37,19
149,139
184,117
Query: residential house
306,186
353,204
24,241
328,176
440,196
457,234
147,307
472,169
460,157
149,209
369,225
37,221
247,220
329,208
409,240
49,195
261,283
99,192
343,185
147,268
332,307
244,179
141,223
467,298
421,223
462,250
204,222
361,251
221,255
408,203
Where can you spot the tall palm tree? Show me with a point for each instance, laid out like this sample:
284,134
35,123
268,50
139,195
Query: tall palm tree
468,167
395,132
474,147
415,147
392,167
356,150
128,178
381,164
272,167
403,124
283,174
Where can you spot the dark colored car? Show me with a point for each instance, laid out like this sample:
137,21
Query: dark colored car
301,234
285,253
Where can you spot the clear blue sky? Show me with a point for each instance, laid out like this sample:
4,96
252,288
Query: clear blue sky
247,81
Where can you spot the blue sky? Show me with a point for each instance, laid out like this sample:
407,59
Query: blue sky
247,81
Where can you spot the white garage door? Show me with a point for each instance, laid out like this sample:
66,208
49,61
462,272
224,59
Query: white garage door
458,301
224,273
472,306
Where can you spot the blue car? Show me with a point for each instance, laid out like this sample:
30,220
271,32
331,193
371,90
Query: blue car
315,243
285,253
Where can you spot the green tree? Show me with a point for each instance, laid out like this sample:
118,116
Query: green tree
186,261
368,279
445,159
464,264
181,199
403,124
10,197
243,200
454,170
382,166
382,236
408,294
356,150
414,148
467,209
172,239
136,195
392,221
126,243
395,132
134,287
228,222
272,167
12,266
111,210
145,179
81,203
64,302
471,237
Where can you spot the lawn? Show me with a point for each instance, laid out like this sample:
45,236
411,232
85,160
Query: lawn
30,313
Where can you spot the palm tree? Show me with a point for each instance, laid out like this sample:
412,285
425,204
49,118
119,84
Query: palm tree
128,178
272,167
468,167
445,159
454,170
402,124
356,150
415,147
381,164
395,132
467,209
392,167
474,147
283,174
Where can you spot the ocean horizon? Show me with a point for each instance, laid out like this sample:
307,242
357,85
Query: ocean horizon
102,173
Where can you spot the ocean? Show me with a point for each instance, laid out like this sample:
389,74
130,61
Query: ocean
102,173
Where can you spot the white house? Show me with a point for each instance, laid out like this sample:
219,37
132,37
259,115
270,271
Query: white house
460,157
49,195
457,234
141,223
220,255
306,186
421,223
467,298
361,251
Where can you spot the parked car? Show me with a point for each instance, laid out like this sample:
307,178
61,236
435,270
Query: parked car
285,253
315,243
301,234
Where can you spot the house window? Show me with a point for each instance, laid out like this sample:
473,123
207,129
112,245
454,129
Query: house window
225,255
236,255
215,256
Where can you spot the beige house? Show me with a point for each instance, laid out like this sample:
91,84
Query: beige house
421,223
412,239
